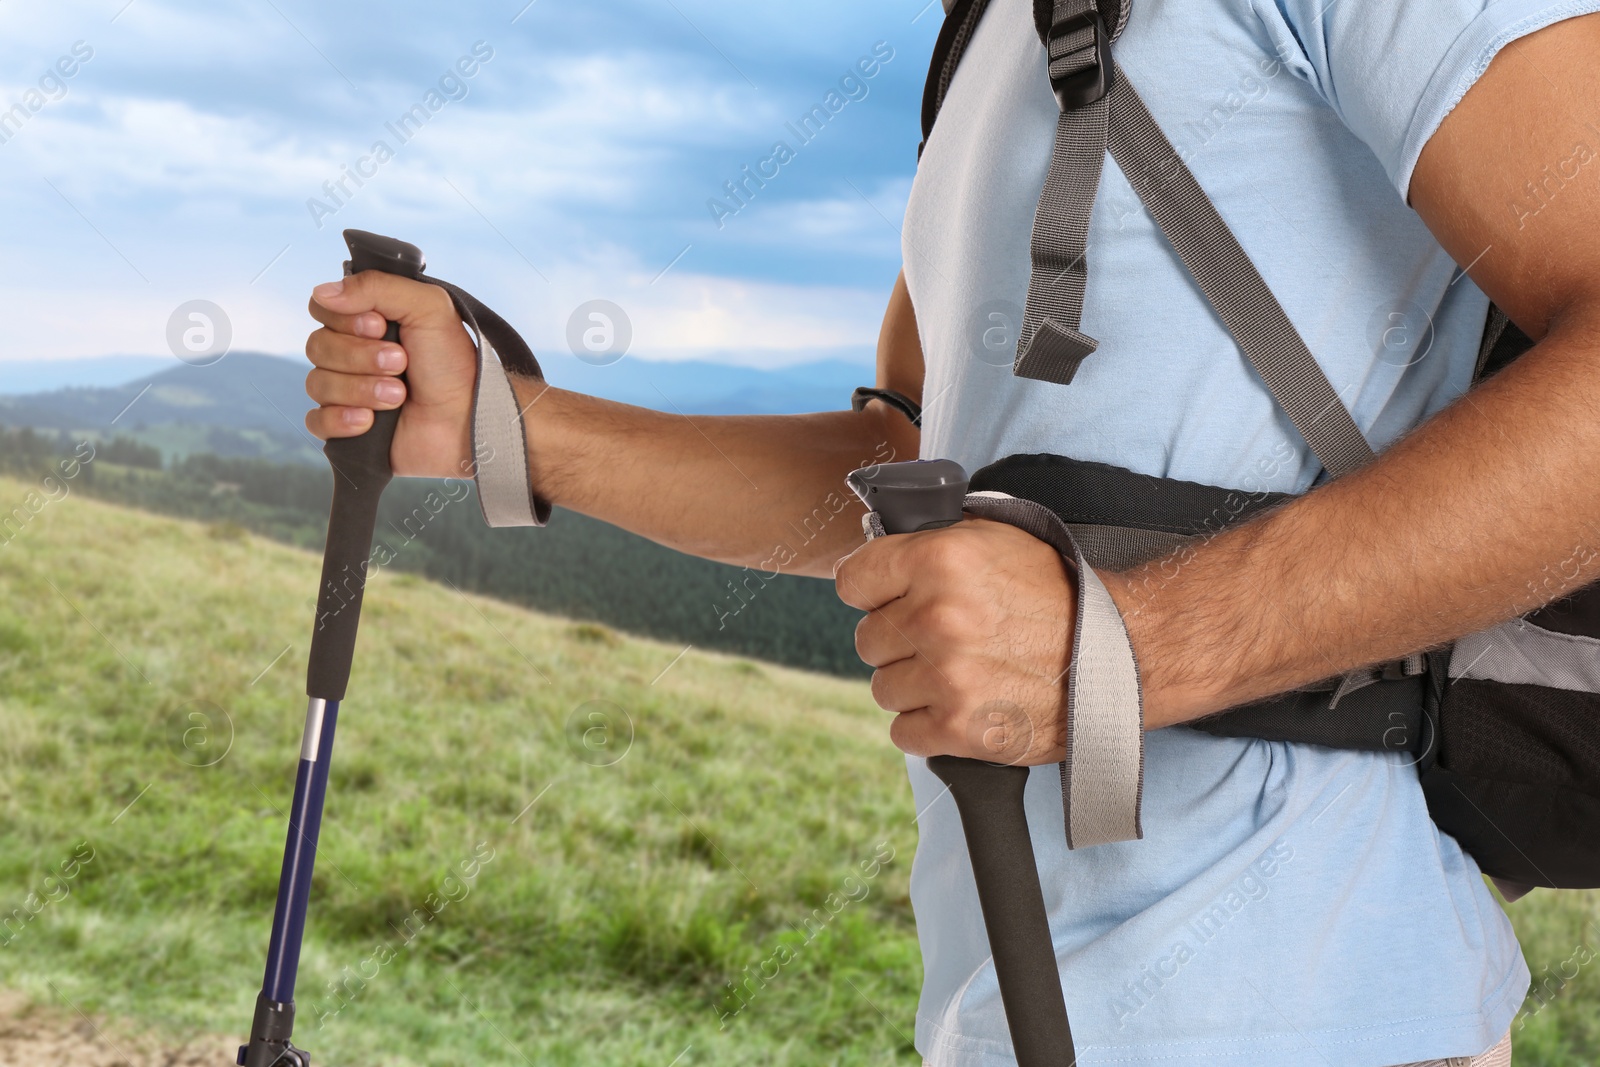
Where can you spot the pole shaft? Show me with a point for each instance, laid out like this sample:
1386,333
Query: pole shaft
300,851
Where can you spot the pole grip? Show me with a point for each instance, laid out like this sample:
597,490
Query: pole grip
925,495
361,472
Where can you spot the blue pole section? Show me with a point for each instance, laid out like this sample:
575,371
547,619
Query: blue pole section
300,851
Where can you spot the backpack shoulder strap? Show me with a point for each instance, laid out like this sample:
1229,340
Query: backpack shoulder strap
1051,345
1231,282
961,19
1101,111
959,22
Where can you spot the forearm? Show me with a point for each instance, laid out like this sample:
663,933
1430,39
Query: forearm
761,491
1486,511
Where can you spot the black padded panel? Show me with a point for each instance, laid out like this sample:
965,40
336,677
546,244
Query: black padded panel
1083,491
1530,734
1385,716
1577,614
1535,835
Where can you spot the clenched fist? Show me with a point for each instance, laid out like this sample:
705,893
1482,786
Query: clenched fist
355,372
970,629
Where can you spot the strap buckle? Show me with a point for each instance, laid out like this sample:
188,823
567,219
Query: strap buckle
1082,87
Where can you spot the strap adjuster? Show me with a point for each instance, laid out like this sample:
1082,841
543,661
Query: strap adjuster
1082,87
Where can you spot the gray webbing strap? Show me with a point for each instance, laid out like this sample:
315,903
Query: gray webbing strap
499,439
1102,778
1121,548
1231,282
1050,345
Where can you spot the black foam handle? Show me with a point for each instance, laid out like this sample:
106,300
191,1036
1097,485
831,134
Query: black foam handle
361,472
995,823
927,494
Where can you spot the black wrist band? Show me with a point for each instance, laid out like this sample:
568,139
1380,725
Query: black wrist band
897,400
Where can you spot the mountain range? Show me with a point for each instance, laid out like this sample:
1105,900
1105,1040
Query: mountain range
252,404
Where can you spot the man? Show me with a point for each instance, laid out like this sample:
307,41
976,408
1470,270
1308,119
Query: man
1288,904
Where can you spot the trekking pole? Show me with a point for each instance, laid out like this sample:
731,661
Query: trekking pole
361,471
927,495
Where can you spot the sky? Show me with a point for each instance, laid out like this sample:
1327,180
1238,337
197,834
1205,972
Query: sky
555,153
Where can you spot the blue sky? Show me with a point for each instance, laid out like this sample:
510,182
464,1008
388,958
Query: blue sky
576,162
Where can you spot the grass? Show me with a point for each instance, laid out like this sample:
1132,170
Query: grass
546,843
657,826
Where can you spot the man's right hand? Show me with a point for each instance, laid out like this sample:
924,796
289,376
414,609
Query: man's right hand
355,372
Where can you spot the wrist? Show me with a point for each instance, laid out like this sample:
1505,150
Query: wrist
537,403
1170,693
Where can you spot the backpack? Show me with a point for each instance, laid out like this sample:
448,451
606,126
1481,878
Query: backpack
1504,725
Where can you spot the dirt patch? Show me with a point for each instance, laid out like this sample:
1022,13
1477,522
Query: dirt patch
31,1036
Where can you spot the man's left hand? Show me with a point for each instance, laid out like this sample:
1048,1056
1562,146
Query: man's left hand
970,629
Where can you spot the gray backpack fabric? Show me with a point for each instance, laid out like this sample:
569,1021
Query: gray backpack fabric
1504,726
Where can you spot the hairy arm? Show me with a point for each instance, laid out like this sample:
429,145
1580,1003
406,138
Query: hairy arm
763,491
1490,508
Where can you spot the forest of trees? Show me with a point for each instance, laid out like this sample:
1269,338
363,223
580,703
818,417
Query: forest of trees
576,566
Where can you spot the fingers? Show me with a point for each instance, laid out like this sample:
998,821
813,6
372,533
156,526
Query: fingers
355,390
883,569
917,733
881,636
335,351
874,574
994,734
923,725
327,423
363,324
354,372
909,684
930,722
348,401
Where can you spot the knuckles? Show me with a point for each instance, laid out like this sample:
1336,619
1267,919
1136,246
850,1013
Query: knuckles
950,555
438,302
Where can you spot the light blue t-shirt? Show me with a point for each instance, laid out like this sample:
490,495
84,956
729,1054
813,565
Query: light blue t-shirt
1289,904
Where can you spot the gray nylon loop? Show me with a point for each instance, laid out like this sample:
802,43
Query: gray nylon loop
1073,51
1051,343
1102,778
1055,353
505,492
1231,282
499,439
1058,249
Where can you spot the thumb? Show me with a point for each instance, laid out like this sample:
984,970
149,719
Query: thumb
416,306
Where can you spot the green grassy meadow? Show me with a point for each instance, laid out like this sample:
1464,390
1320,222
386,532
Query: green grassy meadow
545,843
612,913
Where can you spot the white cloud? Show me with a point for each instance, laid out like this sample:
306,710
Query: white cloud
683,315
192,141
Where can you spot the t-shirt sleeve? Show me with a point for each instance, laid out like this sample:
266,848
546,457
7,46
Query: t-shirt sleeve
1393,69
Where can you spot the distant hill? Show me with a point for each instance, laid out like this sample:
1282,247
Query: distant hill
577,566
248,404
40,375
251,404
